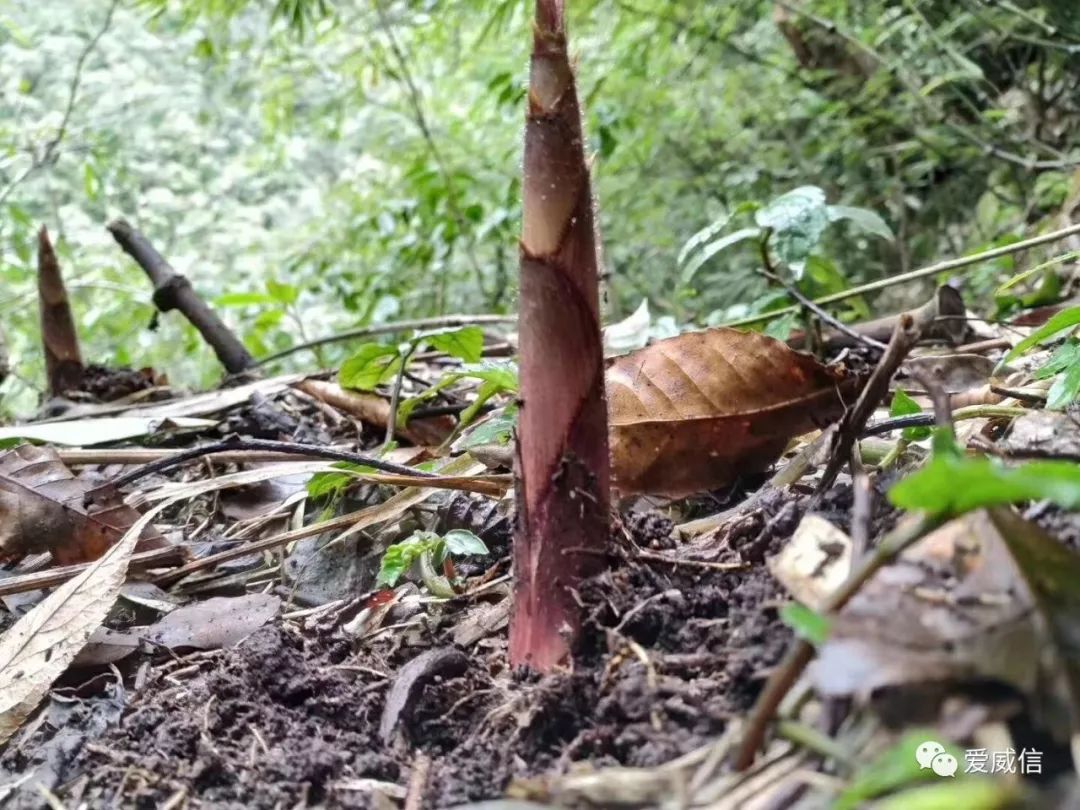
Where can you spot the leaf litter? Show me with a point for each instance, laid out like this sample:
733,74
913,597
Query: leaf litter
277,681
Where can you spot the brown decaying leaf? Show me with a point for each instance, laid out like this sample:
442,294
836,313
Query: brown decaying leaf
375,410
41,510
953,610
42,643
695,411
211,624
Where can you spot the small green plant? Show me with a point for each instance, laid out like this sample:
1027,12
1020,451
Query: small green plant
904,405
426,552
951,483
787,232
374,364
786,235
333,484
807,623
1064,363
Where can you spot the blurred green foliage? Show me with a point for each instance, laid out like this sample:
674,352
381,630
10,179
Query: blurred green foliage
313,165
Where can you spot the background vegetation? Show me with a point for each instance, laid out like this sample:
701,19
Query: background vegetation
320,164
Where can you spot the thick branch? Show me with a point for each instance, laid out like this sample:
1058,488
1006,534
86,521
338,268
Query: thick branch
174,291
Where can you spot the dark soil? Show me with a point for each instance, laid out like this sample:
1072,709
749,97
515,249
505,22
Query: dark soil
276,722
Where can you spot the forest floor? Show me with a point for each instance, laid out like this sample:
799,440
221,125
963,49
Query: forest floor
282,675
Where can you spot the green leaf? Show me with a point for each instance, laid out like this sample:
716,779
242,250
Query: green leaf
1065,319
399,558
243,300
951,483
895,768
808,624
796,221
862,218
701,237
1065,389
782,327
371,365
903,405
715,247
958,794
283,293
1066,363
821,277
496,429
333,484
465,343
463,543
503,375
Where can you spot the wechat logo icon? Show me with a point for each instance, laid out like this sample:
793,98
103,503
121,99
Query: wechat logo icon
932,754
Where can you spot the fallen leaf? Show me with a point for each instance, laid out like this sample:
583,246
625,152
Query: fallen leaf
955,373
41,509
214,623
693,412
39,647
91,431
1052,572
1047,433
375,410
955,610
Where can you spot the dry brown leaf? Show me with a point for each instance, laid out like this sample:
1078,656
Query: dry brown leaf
695,411
41,509
952,609
37,650
375,410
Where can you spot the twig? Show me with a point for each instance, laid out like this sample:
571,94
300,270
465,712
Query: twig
938,396
807,303
233,444
395,394
258,546
174,291
801,652
862,514
49,152
914,275
82,456
905,336
418,780
50,578
928,420
683,562
387,328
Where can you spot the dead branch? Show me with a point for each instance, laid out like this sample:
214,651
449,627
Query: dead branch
174,291
235,443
